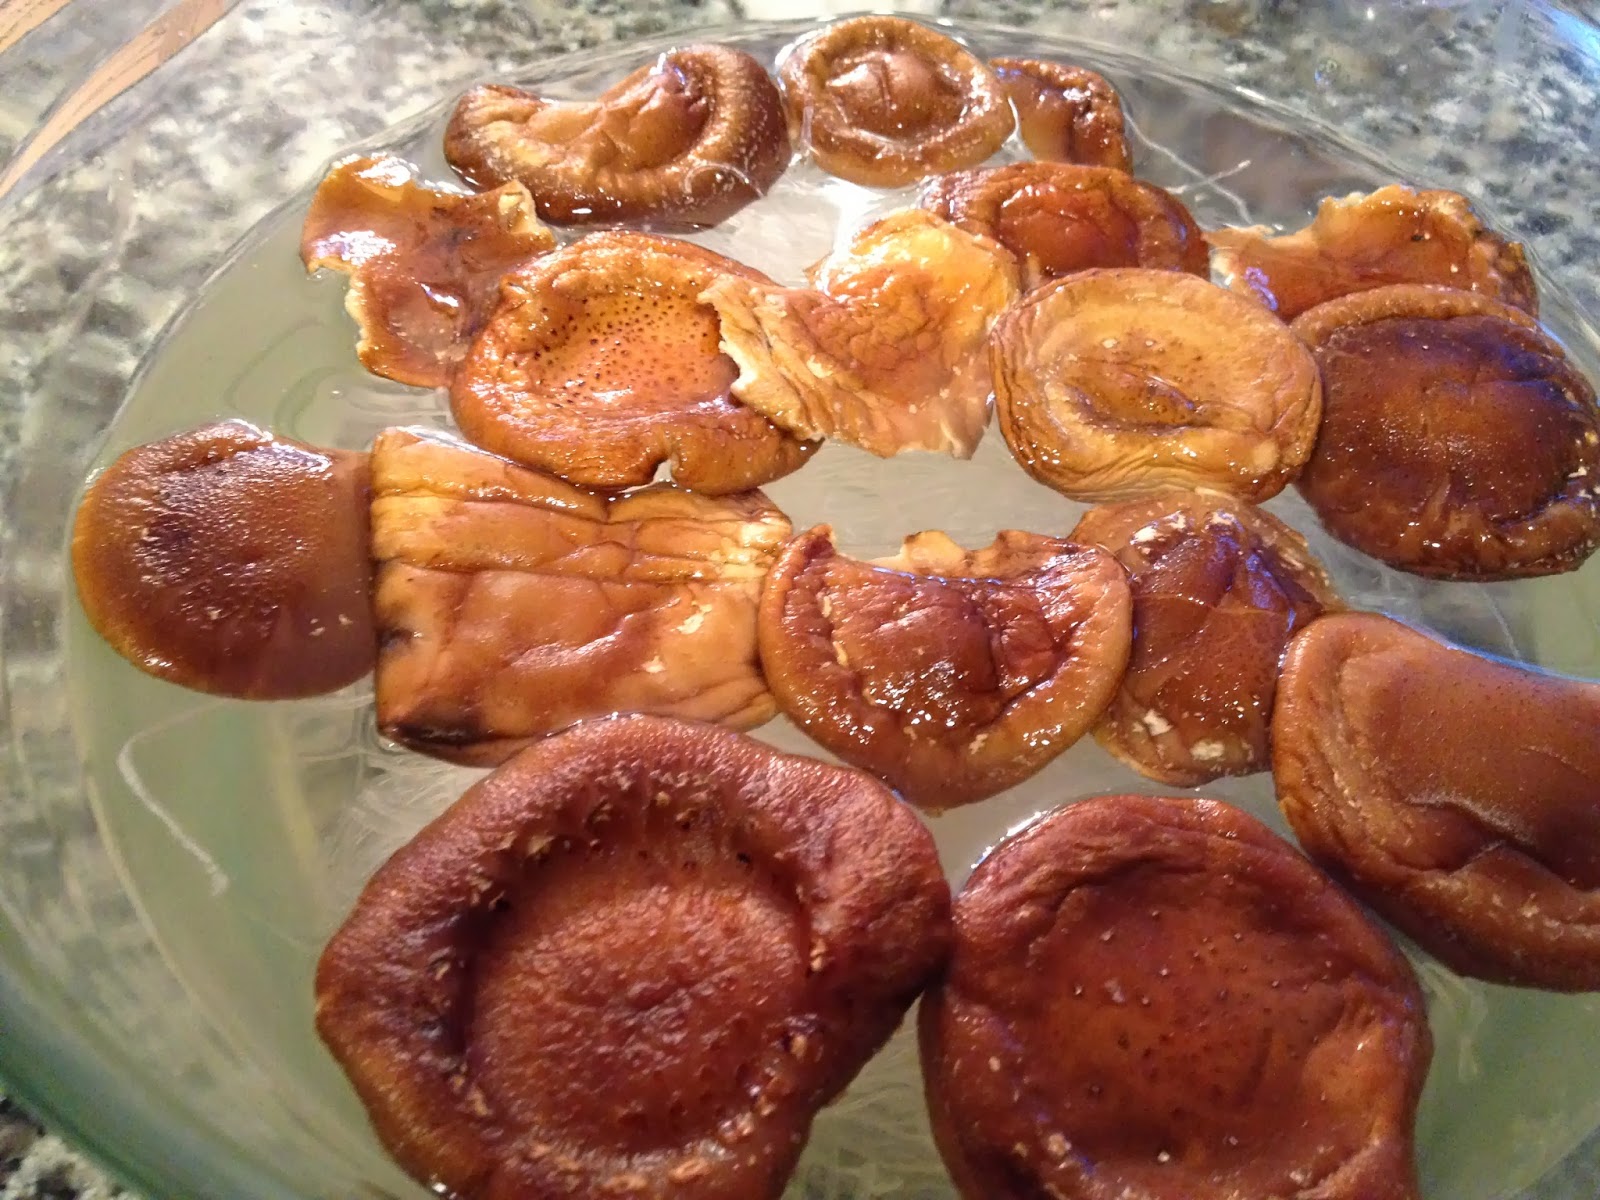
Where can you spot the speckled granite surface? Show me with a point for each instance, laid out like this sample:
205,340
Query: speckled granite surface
139,203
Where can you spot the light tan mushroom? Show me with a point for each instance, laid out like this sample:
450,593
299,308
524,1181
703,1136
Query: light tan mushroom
425,262
886,349
689,139
1115,383
510,604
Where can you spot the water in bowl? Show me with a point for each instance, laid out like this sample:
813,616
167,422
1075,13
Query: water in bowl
245,830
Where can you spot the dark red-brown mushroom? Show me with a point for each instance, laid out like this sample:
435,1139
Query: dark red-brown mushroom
1065,113
1158,998
1458,441
231,561
883,101
633,962
1457,794
689,139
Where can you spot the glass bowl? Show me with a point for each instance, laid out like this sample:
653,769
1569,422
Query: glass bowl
169,864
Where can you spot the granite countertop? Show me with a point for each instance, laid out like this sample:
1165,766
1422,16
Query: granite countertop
1528,153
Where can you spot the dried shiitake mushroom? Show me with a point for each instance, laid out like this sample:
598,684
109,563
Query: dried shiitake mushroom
952,674
1219,586
1065,113
1455,793
1457,439
1119,382
689,139
1392,235
511,605
1058,218
887,349
601,364
1160,998
633,962
883,101
231,561
424,262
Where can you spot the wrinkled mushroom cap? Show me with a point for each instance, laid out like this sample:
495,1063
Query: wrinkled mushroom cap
600,363
1065,113
1157,997
687,140
1454,792
886,350
231,561
633,962
1058,218
1114,383
1361,241
511,605
424,262
883,101
1458,441
1219,586
952,674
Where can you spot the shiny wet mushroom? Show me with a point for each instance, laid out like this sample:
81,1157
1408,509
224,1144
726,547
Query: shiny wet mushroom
1219,587
1065,113
424,261
884,101
1058,218
633,962
232,561
886,350
1458,440
1456,793
1362,241
511,605
1118,382
687,140
1157,997
600,363
952,674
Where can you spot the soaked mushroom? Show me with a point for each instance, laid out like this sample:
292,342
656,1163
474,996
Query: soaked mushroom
1157,997
1057,218
1065,113
1219,586
633,962
886,350
689,139
1119,382
424,262
1457,794
511,605
1457,440
1393,235
883,101
231,561
601,364
952,674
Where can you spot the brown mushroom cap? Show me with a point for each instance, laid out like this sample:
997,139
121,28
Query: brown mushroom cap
952,674
689,139
1065,113
1457,440
231,561
1218,588
1159,998
600,363
1455,793
424,262
1115,383
883,101
634,961
511,605
887,349
1058,218
1362,241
